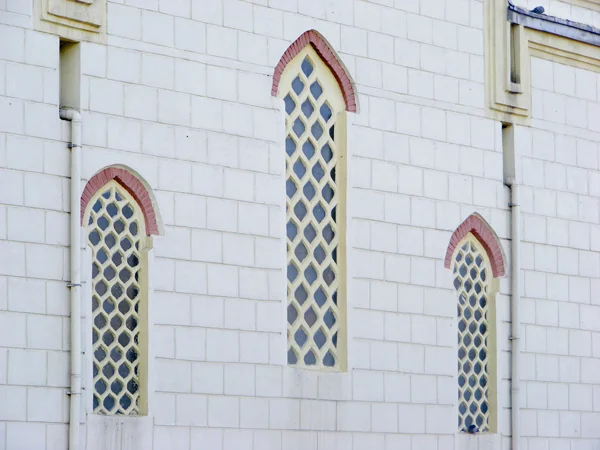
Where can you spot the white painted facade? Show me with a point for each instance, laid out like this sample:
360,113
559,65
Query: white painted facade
180,93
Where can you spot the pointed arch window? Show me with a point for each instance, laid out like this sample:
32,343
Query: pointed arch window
315,107
476,260
116,227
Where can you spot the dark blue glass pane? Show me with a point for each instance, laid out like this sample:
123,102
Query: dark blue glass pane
292,230
310,274
316,130
328,276
310,233
292,314
119,226
327,153
328,234
290,105
327,192
329,318
109,403
318,171
307,67
319,212
125,402
300,337
307,108
328,360
320,338
308,149
299,169
320,297
326,112
292,272
301,295
300,252
309,359
316,90
292,359
290,146
300,210
103,222
309,190
127,211
319,254
310,316
290,188
94,237
298,127
297,85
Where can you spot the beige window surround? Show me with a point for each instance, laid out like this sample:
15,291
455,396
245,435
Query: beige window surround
315,189
508,51
74,20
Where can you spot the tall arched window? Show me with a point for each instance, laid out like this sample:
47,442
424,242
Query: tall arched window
476,261
116,226
315,106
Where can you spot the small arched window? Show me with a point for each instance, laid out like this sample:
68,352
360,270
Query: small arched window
116,228
315,106
475,280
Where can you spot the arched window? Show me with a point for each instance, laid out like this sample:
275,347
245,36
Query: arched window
116,228
476,261
307,79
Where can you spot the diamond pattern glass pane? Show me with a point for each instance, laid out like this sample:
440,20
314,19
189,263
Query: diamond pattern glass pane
469,273
115,316
312,230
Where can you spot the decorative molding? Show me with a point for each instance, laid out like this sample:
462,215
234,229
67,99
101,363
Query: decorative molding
484,234
512,36
76,20
329,57
553,25
130,183
505,100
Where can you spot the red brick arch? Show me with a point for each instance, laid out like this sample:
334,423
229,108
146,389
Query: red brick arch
477,226
328,56
132,185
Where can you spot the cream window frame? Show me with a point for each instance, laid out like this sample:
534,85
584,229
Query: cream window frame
335,99
492,347
146,245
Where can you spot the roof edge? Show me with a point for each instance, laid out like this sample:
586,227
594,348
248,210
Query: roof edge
554,25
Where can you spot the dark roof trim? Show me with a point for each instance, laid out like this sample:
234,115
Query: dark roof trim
553,25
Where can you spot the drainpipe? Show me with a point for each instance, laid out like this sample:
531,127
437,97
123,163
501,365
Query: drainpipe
515,301
75,402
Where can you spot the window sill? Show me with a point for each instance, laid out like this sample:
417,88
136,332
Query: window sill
479,441
116,432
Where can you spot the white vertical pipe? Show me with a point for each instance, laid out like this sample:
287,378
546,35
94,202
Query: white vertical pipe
514,309
75,403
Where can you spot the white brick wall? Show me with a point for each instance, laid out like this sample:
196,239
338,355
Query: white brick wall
559,165
182,96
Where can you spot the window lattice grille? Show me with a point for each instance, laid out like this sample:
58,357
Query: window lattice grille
471,283
312,230
114,234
